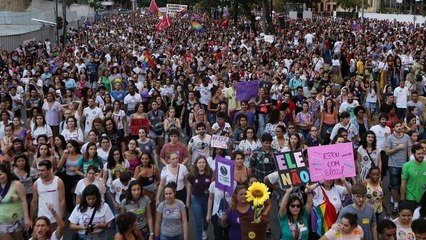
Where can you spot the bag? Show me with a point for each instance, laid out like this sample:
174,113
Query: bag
323,216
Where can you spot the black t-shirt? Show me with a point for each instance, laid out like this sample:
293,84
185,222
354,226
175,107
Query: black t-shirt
385,108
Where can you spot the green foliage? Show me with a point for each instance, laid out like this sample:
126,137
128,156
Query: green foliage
351,4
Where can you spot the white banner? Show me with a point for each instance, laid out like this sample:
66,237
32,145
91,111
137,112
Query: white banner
174,9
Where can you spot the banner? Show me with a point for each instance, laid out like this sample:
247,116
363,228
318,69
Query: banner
219,141
331,161
247,90
153,6
176,9
224,174
292,169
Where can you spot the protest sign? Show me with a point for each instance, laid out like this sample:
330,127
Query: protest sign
292,169
331,161
269,38
224,174
176,9
247,90
220,141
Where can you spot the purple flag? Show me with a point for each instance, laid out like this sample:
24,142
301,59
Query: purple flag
247,90
224,174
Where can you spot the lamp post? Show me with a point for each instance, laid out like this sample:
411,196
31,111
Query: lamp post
362,11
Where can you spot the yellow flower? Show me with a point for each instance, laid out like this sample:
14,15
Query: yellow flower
257,193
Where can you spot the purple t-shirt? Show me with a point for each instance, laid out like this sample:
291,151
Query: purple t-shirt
233,219
200,184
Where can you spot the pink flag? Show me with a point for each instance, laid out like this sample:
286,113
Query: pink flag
153,7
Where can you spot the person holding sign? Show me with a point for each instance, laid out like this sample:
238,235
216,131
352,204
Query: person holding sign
262,161
348,228
293,216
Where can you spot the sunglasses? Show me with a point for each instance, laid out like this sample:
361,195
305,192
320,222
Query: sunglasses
295,205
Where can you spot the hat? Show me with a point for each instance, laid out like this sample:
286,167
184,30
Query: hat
117,80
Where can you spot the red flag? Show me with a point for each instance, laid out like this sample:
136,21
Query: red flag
225,23
163,24
153,7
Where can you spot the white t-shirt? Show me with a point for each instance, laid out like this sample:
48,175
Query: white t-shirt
381,134
199,147
117,188
81,185
103,215
46,130
309,38
225,129
170,177
401,95
335,195
76,135
131,101
90,114
218,196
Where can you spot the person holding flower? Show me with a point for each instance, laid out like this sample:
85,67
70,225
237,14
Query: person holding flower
293,217
239,206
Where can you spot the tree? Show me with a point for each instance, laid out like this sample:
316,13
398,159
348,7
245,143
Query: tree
351,4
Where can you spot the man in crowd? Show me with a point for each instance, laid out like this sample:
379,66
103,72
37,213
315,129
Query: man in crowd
414,176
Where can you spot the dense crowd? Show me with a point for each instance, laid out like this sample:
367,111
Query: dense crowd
113,133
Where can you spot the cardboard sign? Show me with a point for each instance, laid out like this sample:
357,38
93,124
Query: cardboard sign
292,169
224,174
331,161
247,90
220,141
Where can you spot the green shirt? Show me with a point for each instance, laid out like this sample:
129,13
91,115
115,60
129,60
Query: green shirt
414,174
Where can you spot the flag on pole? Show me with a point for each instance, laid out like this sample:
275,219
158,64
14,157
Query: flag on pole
153,7
164,23
148,61
225,23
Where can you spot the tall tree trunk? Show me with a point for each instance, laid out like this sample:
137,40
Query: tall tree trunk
267,25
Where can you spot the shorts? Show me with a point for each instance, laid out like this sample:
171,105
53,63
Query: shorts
371,106
6,228
395,177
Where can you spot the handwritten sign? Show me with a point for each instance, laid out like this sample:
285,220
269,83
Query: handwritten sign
247,90
224,174
220,141
292,169
331,161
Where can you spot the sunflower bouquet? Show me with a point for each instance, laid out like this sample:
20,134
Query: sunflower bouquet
258,194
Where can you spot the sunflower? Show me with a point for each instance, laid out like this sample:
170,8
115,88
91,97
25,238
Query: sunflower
257,193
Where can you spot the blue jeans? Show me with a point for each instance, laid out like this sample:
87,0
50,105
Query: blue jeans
262,119
179,237
395,177
199,209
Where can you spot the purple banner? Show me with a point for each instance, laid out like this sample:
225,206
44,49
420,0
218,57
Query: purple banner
247,90
224,174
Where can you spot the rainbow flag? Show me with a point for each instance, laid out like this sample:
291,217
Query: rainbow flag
148,61
322,218
197,26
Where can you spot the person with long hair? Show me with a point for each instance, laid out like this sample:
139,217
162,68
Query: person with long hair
26,174
80,217
120,117
148,174
372,99
90,157
146,145
238,207
334,192
375,193
73,131
52,110
139,114
348,228
304,120
295,142
104,148
171,216
171,121
368,155
274,121
6,141
41,128
178,173
18,131
44,153
200,178
241,172
279,141
14,213
248,144
60,145
43,228
91,177
137,203
127,227
404,220
110,130
293,216
328,118
132,155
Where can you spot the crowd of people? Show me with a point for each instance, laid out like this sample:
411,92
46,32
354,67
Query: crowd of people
113,133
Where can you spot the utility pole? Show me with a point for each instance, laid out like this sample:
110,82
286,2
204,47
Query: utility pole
362,11
56,17
64,16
